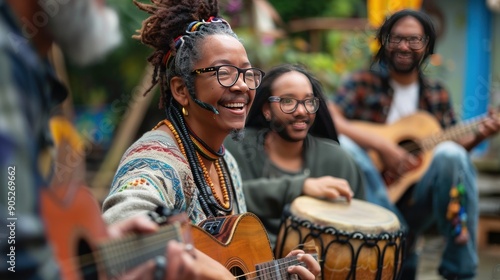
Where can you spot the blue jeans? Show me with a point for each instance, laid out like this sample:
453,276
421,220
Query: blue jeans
430,197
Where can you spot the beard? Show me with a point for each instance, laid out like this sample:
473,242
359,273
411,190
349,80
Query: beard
279,127
402,67
84,30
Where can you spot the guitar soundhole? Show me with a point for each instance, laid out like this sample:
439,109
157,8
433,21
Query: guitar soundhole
415,149
87,265
236,271
411,147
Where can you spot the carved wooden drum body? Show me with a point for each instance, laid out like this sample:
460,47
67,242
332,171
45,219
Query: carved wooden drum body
356,240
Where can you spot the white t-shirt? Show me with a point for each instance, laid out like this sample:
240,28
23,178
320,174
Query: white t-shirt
404,102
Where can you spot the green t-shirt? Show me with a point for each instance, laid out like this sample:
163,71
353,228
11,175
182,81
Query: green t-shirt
268,188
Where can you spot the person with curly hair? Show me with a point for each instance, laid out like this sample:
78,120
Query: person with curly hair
207,86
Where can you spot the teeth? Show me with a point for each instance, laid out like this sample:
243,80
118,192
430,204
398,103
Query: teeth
234,105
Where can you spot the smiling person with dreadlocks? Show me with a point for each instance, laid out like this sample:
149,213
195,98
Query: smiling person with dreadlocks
207,86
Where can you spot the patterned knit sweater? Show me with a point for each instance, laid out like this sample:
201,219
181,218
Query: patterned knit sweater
152,172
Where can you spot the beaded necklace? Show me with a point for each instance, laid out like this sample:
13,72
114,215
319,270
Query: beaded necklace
225,201
204,149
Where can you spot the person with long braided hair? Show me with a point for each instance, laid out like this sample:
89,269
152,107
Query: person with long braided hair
207,86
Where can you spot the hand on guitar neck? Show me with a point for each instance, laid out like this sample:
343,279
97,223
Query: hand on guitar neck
402,151
485,127
241,244
182,264
182,261
136,248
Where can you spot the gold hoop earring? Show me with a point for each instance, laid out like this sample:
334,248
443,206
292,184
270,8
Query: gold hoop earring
185,112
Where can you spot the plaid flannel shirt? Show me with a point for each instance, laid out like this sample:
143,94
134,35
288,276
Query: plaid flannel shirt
367,96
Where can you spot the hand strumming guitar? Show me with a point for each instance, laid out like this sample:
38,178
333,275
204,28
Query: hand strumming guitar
395,160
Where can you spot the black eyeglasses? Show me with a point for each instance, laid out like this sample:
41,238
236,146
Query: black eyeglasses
227,75
415,42
288,105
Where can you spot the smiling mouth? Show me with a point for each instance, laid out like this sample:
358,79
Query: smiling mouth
299,124
235,106
404,55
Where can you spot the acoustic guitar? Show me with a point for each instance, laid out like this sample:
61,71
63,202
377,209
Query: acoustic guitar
241,244
418,134
82,247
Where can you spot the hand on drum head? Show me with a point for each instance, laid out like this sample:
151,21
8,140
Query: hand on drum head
327,187
311,269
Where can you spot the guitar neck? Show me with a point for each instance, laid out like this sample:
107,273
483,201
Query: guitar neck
454,133
120,255
277,269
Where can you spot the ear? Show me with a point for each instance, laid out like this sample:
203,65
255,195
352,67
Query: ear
179,91
266,111
383,41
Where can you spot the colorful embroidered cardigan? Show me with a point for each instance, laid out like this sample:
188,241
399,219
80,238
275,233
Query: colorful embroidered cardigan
153,172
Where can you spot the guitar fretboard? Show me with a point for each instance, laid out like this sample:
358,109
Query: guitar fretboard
454,133
277,269
120,255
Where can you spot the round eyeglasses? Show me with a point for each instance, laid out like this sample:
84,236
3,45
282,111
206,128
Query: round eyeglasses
227,75
288,105
414,42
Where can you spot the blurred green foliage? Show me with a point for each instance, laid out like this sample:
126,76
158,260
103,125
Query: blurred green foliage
297,9
344,52
341,51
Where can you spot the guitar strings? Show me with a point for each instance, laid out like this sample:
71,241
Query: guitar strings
281,264
152,245
268,271
89,259
148,247
417,147
431,141
119,249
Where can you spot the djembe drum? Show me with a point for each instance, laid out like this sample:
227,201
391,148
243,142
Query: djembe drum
356,240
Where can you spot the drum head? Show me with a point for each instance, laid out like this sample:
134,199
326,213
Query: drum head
356,216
